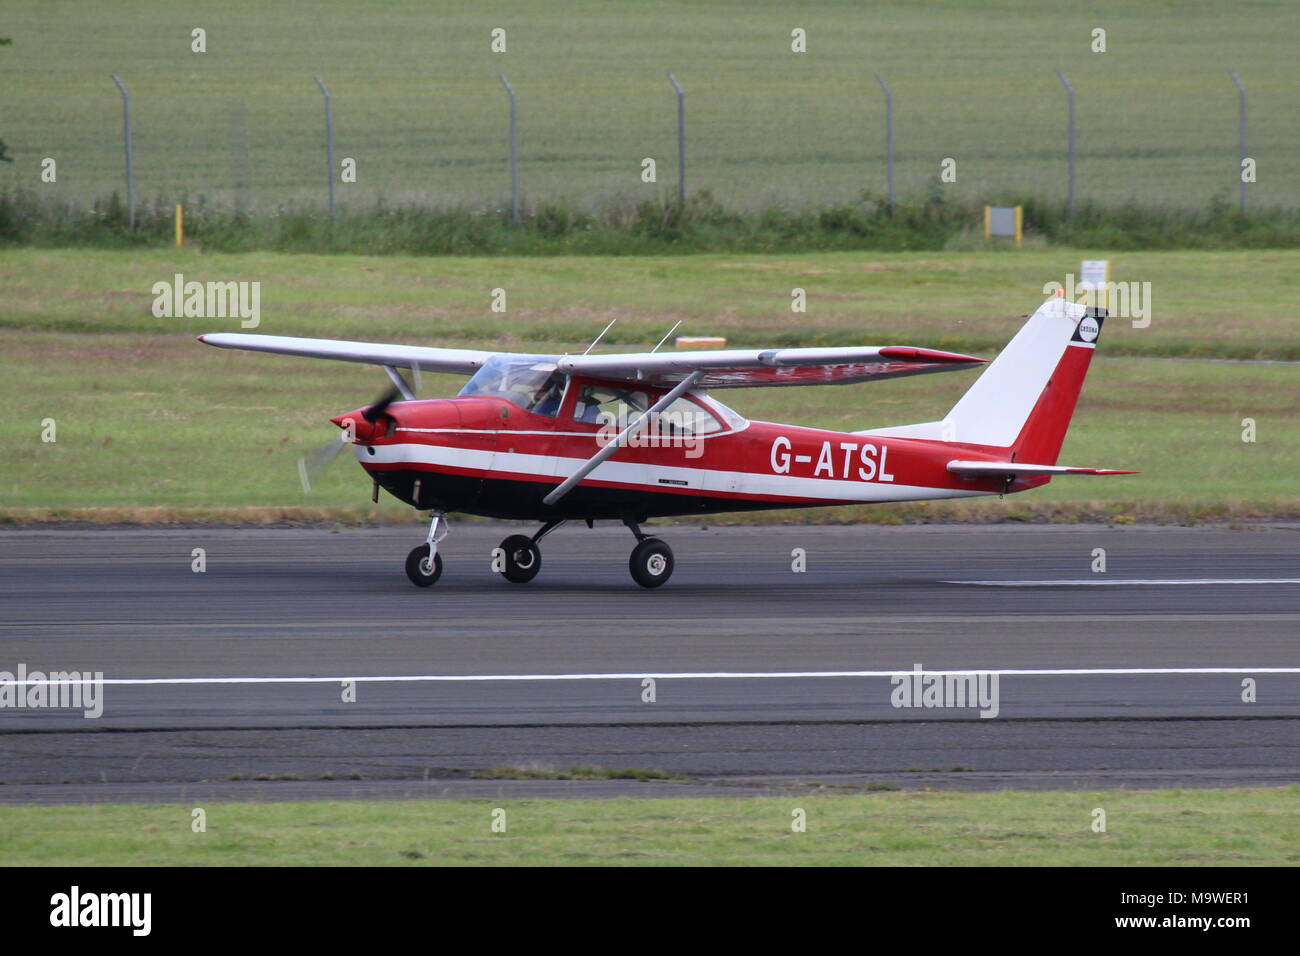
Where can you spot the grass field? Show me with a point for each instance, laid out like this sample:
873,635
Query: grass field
418,105
1257,827
1203,304
149,418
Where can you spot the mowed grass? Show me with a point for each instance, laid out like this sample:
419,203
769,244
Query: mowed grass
1233,827
147,417
418,105
164,422
1204,304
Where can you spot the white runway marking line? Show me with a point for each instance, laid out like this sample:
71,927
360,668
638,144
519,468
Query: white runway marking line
1096,582
677,675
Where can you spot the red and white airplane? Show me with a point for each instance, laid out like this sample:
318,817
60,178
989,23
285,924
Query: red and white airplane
634,436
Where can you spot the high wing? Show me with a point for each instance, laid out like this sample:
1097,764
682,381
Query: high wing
725,368
745,368
464,361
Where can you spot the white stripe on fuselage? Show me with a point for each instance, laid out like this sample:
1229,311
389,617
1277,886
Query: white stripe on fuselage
552,434
554,468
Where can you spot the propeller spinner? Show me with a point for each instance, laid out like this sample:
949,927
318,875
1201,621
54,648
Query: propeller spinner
312,465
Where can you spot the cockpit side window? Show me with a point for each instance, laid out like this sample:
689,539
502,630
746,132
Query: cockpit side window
547,399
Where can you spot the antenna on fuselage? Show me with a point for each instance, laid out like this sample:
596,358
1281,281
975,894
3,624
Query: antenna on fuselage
665,338
601,336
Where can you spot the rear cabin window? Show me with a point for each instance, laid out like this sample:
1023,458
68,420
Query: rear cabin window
610,405
684,417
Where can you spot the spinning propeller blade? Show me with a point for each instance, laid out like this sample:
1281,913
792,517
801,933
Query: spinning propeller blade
311,466
372,413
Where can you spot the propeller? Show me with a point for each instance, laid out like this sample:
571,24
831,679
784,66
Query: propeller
312,465
372,413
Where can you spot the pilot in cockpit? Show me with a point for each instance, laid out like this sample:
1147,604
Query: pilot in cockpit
588,407
588,410
546,400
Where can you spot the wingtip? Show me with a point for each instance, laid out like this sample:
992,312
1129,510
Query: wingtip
923,354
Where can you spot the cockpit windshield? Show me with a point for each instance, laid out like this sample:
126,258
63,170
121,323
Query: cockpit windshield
529,381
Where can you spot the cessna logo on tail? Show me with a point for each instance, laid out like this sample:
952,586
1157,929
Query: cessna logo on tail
1089,327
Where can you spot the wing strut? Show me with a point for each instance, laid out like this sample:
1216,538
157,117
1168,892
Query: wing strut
595,460
399,383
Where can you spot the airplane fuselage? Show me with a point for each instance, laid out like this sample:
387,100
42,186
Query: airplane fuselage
486,456
635,436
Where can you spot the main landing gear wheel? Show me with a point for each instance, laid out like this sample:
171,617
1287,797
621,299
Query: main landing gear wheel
651,563
523,559
420,569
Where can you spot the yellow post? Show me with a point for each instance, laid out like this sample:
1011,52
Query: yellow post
987,221
180,227
1020,222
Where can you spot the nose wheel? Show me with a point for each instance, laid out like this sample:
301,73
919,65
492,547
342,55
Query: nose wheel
424,563
422,571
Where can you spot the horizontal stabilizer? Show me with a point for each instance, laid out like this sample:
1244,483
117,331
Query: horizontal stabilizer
976,468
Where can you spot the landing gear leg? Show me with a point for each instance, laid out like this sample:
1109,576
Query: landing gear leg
424,563
519,557
651,563
546,529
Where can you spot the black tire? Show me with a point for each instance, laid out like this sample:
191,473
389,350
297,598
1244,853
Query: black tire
651,563
415,567
523,559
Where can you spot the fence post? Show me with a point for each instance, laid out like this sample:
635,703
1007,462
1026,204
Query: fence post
1069,97
514,153
681,139
889,135
126,135
329,145
1241,135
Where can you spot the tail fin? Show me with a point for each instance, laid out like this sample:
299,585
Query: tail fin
1024,400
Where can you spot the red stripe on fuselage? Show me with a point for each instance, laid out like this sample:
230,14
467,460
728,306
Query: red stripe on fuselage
762,449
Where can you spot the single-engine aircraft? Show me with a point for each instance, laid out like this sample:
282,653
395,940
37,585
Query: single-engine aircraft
635,436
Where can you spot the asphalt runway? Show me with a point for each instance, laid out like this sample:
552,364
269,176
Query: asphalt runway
1128,678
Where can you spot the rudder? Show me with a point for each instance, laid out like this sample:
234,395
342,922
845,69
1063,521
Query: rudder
1027,395
1023,401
